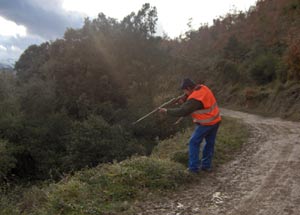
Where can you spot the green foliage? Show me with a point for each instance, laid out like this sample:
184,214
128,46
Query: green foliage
111,188
9,107
105,189
263,69
6,206
143,22
234,50
38,98
294,5
31,62
228,71
7,160
9,124
72,100
45,143
282,72
94,141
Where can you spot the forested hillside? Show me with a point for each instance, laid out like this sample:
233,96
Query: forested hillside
251,58
72,101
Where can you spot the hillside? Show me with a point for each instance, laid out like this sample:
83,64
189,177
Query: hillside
251,59
67,110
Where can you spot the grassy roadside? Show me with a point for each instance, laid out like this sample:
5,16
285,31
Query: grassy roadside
231,136
110,188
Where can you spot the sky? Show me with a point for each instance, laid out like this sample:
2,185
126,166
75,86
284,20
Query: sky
27,22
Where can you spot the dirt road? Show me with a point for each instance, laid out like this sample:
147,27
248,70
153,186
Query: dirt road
264,179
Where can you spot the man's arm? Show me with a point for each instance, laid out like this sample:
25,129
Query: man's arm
186,108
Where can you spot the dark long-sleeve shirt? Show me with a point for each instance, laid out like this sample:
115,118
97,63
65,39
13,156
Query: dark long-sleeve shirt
186,108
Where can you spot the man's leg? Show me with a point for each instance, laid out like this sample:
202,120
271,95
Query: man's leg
194,147
208,150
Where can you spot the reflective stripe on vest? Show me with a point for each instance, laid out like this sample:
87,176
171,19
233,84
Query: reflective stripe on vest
203,121
206,110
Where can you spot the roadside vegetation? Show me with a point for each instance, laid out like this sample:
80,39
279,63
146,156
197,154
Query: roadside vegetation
112,188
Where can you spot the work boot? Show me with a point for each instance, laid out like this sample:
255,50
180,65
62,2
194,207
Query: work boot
192,171
206,169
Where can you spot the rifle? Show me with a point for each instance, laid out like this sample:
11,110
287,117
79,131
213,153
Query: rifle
172,101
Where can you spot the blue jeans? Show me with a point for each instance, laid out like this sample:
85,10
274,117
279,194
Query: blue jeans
209,134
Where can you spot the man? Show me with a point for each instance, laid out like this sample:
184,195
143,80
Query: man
202,106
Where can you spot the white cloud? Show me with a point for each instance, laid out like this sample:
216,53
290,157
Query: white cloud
11,48
3,48
9,28
113,8
10,54
15,49
174,15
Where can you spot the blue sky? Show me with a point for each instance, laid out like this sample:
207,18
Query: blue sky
26,22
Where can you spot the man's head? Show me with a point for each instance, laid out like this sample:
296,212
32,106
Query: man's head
188,86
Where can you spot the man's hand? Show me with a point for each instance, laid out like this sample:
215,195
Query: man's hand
162,110
181,101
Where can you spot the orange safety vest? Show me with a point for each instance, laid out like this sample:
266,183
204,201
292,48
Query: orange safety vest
210,115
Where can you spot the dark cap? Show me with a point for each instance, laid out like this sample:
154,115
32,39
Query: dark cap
187,84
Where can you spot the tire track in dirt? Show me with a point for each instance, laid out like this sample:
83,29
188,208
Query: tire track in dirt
264,179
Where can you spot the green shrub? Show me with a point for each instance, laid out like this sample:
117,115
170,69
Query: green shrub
228,71
94,141
282,72
7,160
263,70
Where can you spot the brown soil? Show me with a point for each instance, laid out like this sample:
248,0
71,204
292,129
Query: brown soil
264,179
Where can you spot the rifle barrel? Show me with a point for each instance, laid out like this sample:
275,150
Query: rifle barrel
156,109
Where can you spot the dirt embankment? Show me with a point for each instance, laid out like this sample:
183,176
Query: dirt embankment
264,179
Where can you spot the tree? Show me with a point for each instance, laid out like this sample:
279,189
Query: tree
7,160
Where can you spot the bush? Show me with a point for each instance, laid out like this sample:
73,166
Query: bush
263,70
94,141
282,72
229,71
7,160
